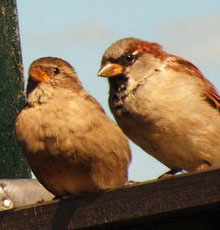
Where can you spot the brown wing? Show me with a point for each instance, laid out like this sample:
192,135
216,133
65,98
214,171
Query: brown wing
213,97
211,93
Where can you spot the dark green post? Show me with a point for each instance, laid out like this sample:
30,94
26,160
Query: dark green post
12,163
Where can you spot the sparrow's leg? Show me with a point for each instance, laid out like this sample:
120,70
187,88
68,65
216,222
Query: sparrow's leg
170,173
131,182
59,197
203,166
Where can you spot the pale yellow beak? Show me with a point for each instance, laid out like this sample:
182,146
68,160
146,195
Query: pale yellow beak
111,70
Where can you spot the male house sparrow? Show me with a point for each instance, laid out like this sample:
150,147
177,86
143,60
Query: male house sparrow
69,142
164,104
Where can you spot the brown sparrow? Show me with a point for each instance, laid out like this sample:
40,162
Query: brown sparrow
164,104
69,142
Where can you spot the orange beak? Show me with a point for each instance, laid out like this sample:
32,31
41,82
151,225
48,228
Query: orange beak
110,70
37,74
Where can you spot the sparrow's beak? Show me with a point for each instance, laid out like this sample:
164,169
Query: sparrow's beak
111,70
37,74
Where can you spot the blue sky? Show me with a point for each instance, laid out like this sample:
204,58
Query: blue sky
80,31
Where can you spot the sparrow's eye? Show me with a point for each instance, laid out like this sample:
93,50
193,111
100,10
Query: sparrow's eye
129,57
56,70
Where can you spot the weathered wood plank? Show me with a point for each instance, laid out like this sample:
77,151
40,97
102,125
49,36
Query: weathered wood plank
190,201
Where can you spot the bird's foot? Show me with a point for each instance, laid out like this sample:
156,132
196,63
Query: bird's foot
131,182
203,166
169,174
58,197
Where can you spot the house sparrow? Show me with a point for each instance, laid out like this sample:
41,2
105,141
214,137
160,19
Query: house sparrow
69,142
164,104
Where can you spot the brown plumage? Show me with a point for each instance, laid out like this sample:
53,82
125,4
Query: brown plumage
164,104
69,142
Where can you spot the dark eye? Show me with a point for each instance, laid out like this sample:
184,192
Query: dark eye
129,57
56,70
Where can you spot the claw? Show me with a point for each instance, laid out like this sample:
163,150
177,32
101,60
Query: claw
170,173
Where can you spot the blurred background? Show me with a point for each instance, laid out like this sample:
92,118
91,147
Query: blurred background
80,31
